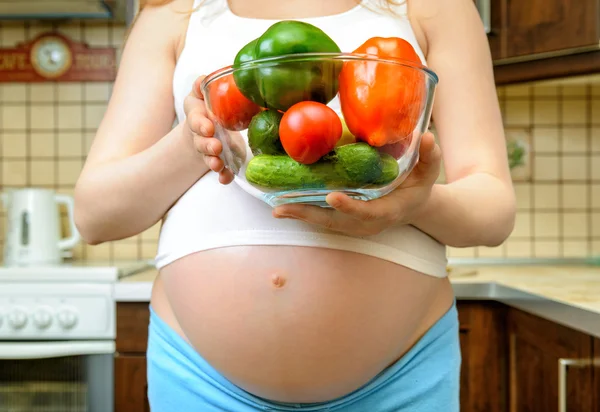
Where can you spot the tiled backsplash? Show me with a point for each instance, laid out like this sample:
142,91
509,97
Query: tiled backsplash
46,130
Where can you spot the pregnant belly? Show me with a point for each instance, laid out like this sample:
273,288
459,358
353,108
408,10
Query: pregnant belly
296,324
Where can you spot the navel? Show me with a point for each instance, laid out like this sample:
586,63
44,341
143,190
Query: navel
278,280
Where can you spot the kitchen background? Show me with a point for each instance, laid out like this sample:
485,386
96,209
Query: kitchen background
46,130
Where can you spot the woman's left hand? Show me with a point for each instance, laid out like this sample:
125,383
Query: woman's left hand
365,218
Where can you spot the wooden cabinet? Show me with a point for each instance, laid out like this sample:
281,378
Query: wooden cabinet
483,386
550,365
596,373
541,39
131,386
130,383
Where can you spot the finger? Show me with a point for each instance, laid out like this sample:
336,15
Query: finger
208,145
200,124
365,211
190,103
226,176
197,88
214,163
310,214
429,151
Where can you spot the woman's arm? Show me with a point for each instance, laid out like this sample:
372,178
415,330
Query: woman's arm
138,164
477,205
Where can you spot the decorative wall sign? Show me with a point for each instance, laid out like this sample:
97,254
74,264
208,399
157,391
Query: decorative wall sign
55,57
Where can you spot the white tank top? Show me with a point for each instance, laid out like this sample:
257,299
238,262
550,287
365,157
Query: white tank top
211,215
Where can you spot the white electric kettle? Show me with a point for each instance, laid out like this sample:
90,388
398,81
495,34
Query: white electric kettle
33,227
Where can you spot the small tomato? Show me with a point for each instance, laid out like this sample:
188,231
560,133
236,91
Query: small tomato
309,130
231,108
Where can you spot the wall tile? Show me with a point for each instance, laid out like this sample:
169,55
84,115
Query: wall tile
595,139
516,113
545,112
70,117
13,92
574,167
94,115
70,92
575,249
574,196
574,140
575,225
42,117
43,92
522,225
523,194
546,196
595,111
575,90
14,173
546,140
546,224
595,189
68,171
14,117
547,248
70,144
42,172
545,90
14,144
518,248
518,90
42,144
574,112
546,168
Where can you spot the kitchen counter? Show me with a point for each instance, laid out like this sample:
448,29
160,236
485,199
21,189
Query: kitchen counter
564,294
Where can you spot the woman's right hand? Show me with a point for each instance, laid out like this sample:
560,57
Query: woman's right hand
202,130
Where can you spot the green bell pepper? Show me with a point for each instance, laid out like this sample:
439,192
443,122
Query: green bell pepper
283,84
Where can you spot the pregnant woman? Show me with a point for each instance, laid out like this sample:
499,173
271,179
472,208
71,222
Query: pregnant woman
297,308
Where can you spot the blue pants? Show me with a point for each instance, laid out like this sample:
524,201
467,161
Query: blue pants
425,379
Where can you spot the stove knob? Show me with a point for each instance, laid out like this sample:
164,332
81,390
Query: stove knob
67,317
42,317
17,318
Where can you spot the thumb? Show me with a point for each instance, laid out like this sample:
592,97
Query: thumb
430,157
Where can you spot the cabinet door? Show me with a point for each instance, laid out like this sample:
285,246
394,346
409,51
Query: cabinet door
538,27
493,15
130,384
483,381
537,348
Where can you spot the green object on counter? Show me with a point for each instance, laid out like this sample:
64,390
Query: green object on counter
263,133
281,85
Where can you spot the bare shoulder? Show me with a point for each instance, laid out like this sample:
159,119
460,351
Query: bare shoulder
168,21
433,19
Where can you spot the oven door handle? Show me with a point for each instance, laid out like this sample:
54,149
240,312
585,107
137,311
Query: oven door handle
41,350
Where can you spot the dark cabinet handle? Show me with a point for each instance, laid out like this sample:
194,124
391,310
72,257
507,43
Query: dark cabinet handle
485,11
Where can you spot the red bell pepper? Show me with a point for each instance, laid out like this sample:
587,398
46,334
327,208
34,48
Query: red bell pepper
382,102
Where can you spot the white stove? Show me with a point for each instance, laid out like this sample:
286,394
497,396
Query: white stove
57,335
68,301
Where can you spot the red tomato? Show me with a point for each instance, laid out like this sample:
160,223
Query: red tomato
309,130
231,108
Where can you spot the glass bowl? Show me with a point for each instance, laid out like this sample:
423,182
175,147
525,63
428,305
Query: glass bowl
297,127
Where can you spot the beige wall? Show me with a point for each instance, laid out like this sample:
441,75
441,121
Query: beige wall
46,130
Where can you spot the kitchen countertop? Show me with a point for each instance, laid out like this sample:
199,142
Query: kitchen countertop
569,295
